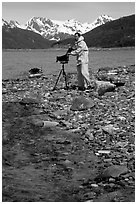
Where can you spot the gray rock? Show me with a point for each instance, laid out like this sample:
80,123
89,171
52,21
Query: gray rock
110,129
37,122
111,180
89,134
81,103
104,86
113,171
50,123
26,100
60,113
109,197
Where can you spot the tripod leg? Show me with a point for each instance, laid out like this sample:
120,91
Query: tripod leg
57,80
65,76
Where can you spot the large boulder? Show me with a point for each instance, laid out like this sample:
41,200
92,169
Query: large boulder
113,171
104,86
81,103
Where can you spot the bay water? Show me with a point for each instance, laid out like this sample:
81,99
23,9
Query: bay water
17,63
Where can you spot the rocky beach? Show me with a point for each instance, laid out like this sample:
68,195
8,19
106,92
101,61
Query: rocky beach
69,145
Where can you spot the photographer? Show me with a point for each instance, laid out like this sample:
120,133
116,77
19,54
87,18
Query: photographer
81,52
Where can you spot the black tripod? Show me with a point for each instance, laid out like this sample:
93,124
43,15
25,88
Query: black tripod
62,71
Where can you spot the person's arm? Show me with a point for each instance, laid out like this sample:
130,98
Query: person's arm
78,50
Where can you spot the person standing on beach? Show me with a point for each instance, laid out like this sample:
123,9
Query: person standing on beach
81,53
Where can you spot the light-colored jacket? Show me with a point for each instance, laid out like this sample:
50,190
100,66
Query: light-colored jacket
81,51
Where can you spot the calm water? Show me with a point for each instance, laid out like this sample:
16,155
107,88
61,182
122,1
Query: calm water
18,63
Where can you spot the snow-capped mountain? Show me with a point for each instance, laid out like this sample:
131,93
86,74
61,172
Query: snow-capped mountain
58,30
12,24
102,20
53,29
4,23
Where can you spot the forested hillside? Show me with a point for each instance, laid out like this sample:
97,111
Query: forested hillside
117,33
17,38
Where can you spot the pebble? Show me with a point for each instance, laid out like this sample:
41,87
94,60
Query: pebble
67,162
50,123
94,185
111,185
111,180
108,160
89,134
104,151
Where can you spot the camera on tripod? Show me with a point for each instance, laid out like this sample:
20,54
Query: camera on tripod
64,58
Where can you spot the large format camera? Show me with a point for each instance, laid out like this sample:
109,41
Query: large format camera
64,58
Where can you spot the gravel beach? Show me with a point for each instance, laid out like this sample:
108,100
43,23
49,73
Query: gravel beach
69,145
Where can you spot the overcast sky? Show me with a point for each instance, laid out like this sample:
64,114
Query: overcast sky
81,11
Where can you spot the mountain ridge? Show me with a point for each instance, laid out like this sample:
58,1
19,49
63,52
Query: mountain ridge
116,33
59,30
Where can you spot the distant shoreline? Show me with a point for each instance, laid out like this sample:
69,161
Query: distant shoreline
91,48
